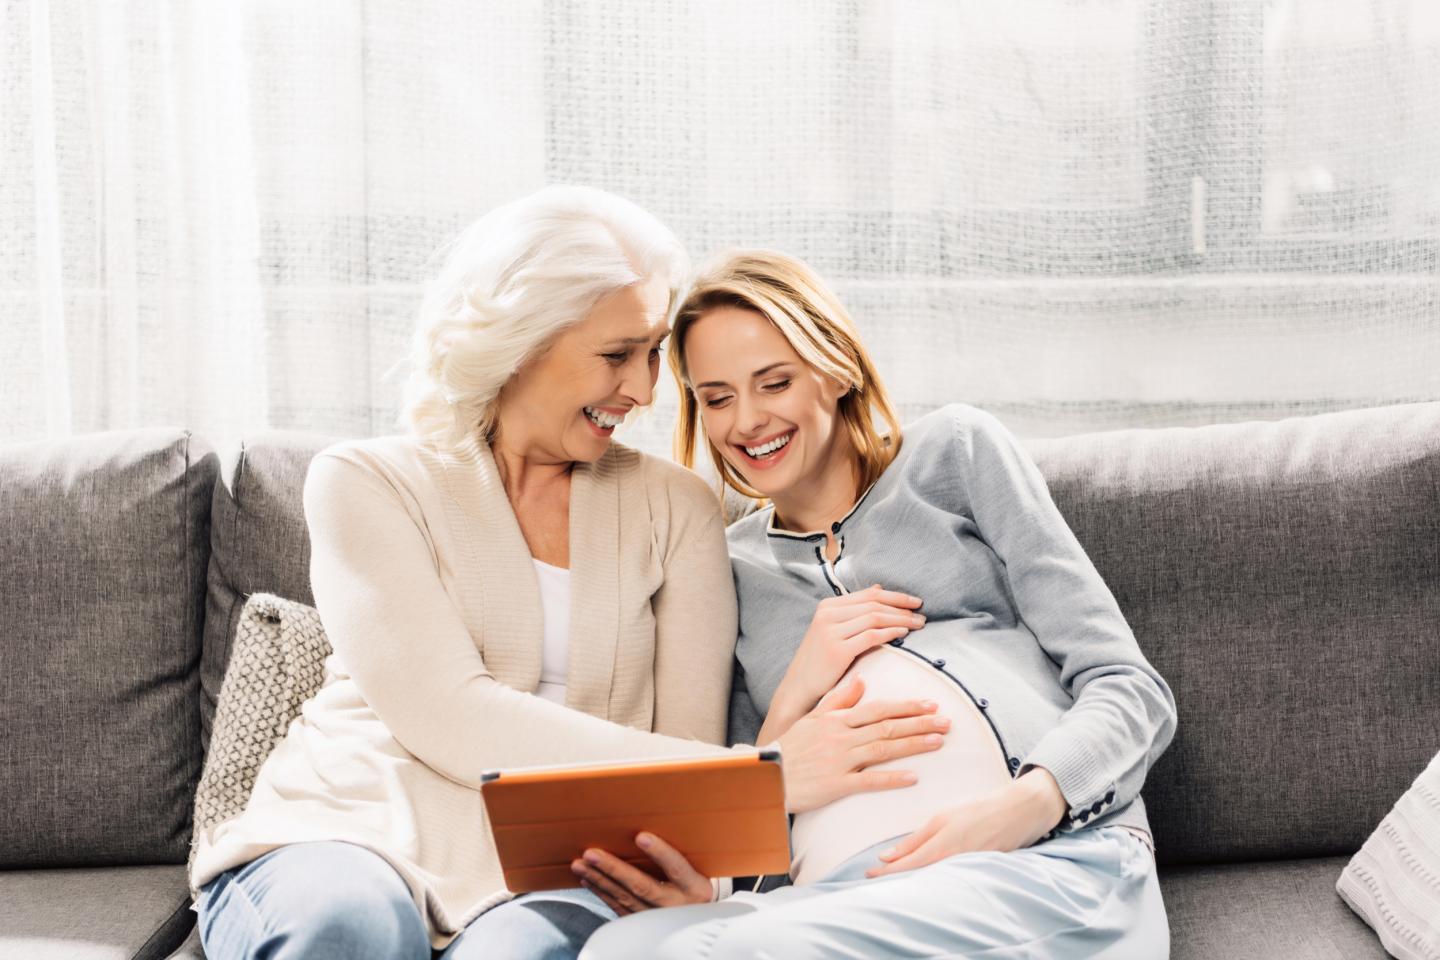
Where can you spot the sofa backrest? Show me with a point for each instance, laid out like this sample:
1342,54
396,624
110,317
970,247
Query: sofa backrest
258,541
1284,577
104,544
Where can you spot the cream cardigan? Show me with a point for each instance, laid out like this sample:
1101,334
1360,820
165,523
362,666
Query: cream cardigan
428,596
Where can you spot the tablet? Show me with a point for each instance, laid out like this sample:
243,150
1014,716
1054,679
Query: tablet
725,813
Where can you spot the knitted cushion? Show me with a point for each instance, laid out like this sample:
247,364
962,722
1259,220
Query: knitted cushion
1393,881
277,661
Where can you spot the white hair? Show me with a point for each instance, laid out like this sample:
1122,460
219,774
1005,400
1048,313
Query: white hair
510,282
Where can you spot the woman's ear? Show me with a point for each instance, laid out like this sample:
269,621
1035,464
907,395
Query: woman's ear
835,389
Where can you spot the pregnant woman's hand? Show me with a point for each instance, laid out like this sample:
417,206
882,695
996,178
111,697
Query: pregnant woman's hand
1012,817
629,890
827,752
842,629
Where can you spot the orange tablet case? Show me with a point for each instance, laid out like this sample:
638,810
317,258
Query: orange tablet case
726,814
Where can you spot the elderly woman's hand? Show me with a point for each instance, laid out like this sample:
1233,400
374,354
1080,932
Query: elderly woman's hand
626,889
1012,817
828,752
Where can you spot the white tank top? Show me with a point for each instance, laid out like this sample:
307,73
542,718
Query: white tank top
969,764
555,611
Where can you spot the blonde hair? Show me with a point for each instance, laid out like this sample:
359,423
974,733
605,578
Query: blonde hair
796,301
509,284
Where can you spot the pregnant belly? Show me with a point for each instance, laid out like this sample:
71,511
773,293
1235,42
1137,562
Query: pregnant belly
968,765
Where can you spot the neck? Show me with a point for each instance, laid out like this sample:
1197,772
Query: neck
523,473
816,504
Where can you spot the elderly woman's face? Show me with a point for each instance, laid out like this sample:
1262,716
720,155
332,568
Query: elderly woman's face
565,403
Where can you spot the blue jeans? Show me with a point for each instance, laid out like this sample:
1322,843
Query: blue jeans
327,900
1093,893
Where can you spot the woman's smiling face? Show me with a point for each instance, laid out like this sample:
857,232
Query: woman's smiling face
564,404
771,416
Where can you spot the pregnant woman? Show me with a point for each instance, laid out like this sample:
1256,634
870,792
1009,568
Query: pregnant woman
1025,835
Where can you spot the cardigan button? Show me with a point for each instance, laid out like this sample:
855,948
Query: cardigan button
983,703
835,527
1014,763
898,642
940,663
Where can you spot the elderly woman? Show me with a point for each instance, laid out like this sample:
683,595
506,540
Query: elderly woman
502,587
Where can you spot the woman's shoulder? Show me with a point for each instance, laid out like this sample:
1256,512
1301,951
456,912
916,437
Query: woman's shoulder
400,462
667,483
954,421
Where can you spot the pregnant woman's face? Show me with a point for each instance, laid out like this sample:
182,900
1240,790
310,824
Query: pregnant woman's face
564,404
771,416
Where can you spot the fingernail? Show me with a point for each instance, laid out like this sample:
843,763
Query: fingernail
643,840
929,704
943,723
934,739
908,777
577,867
888,854
592,856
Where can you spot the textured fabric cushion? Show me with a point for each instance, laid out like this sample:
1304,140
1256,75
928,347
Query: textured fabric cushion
103,549
1284,578
1281,909
1393,881
111,913
258,541
277,662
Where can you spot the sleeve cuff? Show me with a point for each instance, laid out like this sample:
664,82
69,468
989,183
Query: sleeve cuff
1088,789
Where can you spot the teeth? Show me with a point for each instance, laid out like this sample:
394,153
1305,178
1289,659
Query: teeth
770,447
602,419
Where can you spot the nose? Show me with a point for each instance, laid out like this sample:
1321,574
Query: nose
637,382
750,415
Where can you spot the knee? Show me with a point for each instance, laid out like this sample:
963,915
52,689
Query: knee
331,900
759,937
613,941
370,929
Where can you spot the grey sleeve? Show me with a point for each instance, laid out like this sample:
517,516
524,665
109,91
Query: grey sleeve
745,719
1123,716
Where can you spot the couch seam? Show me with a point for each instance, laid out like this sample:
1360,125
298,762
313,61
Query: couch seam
164,925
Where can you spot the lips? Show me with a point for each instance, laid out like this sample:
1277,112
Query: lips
769,461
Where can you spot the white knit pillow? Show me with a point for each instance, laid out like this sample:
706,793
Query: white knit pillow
277,662
1393,881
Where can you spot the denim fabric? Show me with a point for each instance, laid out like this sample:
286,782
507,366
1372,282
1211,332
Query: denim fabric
1093,893
339,901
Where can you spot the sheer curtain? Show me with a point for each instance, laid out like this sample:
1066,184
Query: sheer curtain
1080,214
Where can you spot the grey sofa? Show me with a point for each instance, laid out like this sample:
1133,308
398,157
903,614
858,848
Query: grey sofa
1283,576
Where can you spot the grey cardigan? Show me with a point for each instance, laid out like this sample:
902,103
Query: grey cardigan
1016,614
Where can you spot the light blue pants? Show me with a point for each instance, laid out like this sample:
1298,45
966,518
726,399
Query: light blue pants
339,901
1091,894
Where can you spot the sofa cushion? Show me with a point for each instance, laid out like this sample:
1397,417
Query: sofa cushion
110,913
1284,908
1284,578
258,541
103,549
277,662
190,949
1393,881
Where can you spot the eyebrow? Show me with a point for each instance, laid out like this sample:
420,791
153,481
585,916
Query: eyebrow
758,373
635,341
